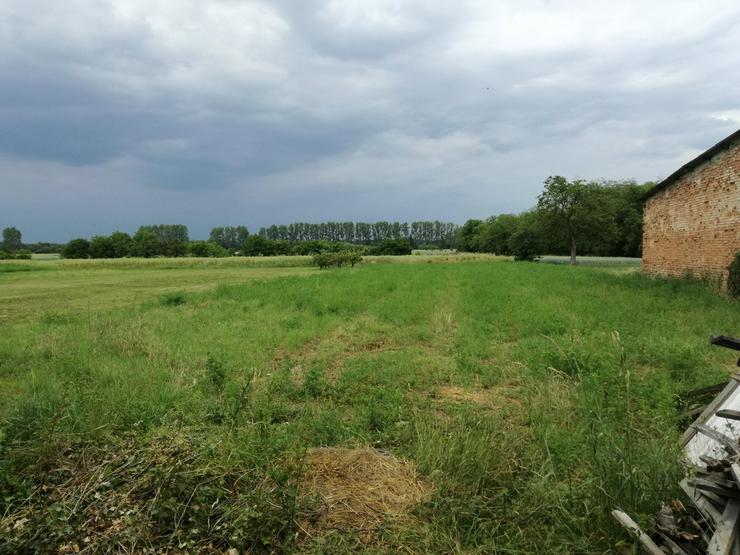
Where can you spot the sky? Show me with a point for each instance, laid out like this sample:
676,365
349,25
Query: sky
116,114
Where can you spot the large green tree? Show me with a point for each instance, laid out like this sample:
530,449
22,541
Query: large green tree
496,232
76,248
468,236
12,240
576,209
117,245
229,237
145,244
161,240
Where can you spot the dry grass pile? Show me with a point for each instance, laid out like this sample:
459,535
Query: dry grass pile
361,489
508,394
457,394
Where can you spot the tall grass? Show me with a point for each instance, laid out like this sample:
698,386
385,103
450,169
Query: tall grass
200,405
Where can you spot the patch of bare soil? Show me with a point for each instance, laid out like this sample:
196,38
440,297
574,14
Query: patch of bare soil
361,490
457,394
503,396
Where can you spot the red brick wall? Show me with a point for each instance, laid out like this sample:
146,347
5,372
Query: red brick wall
693,226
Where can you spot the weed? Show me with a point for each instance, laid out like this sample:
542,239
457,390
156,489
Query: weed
215,373
173,299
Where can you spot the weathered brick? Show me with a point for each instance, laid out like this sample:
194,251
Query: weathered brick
693,225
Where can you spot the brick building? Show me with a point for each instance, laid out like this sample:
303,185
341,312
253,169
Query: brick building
692,218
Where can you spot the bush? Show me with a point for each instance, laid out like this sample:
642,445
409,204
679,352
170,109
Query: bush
176,298
393,247
117,245
206,249
338,259
76,248
256,245
524,244
18,255
325,259
733,279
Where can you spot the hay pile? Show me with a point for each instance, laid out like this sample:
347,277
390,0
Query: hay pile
507,396
458,394
361,489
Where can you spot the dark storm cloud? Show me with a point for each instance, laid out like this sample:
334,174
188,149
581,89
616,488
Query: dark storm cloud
122,113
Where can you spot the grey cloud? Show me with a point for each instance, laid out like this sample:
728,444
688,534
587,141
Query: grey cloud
254,112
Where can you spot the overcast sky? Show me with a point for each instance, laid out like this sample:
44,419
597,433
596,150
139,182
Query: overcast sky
223,112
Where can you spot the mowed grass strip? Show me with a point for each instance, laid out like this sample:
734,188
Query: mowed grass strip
532,399
30,292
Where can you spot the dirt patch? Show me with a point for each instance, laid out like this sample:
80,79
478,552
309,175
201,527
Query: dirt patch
374,346
494,397
361,490
457,394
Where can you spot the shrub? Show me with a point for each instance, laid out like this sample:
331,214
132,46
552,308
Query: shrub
256,245
338,259
325,259
524,244
393,247
173,299
733,279
17,255
206,249
352,257
215,373
117,245
76,248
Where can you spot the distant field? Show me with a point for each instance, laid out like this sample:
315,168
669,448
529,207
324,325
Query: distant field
481,406
84,286
28,288
594,260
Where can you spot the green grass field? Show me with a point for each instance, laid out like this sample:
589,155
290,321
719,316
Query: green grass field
176,405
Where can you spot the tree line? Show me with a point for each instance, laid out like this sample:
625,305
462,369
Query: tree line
173,241
12,246
422,233
571,217
149,241
601,218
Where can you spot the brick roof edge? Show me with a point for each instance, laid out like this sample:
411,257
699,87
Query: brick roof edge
689,166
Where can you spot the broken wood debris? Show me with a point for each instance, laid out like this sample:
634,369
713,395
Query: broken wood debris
712,450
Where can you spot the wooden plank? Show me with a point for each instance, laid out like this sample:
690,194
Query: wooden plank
647,543
725,533
673,546
715,500
709,511
735,471
729,413
727,442
717,478
726,341
708,485
714,463
716,388
712,407
713,474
